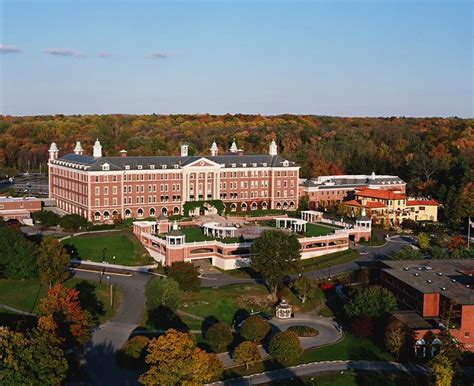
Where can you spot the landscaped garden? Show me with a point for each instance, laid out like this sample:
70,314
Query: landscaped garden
318,230
99,247
25,295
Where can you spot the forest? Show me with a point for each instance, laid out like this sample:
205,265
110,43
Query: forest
434,155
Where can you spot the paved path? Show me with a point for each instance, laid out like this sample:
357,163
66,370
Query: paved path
109,337
320,367
329,333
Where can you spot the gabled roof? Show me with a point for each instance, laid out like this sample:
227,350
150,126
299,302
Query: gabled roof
381,194
422,202
370,204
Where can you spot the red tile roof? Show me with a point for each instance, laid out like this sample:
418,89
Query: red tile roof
379,193
422,202
370,204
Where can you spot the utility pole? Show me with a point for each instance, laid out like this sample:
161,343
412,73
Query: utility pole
469,225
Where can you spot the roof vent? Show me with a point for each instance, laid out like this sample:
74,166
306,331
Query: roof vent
428,268
415,274
443,288
405,268
468,286
439,273
453,280
429,281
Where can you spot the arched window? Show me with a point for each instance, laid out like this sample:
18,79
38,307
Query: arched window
285,205
244,206
292,205
254,206
175,210
115,214
128,213
233,207
97,216
264,205
106,215
278,205
140,212
152,211
164,211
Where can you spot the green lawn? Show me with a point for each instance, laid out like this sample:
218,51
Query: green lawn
330,260
193,234
318,230
103,246
26,294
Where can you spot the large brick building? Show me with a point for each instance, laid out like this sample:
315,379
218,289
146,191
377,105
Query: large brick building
439,292
101,188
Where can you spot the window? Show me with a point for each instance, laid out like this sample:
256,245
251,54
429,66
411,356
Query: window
97,191
140,212
97,216
139,167
106,215
128,213
105,167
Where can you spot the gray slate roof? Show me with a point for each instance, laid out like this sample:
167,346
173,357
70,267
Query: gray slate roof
355,182
120,163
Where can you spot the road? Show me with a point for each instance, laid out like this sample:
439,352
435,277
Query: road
319,367
109,337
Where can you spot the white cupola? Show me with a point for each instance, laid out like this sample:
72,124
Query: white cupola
372,176
78,149
53,151
97,152
273,148
233,147
214,149
184,150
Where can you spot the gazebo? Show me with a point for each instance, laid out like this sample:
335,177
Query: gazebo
215,229
295,224
283,310
175,236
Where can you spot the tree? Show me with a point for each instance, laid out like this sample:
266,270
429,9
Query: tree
186,275
31,358
285,347
407,253
275,254
423,241
46,218
303,287
394,336
219,337
62,315
17,255
132,354
442,371
373,301
456,242
175,360
162,292
52,262
254,328
247,353
72,222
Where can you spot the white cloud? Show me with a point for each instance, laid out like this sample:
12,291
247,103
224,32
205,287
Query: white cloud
64,52
104,54
6,49
158,55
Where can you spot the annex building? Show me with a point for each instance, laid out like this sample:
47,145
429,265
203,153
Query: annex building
439,294
101,188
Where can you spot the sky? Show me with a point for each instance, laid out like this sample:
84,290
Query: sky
344,58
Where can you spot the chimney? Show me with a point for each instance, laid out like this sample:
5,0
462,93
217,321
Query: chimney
184,150
53,152
123,153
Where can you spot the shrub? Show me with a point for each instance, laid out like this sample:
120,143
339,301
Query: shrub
254,328
303,331
46,218
162,292
186,275
219,337
72,222
285,347
132,354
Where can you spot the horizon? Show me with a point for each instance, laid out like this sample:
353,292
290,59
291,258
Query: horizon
367,59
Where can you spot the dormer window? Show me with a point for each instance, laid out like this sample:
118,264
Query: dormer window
254,164
105,167
127,167
244,165
139,167
286,163
176,166
152,167
163,166
233,165
264,164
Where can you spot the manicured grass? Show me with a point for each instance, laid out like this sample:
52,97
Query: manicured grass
222,303
318,230
103,246
330,260
194,234
25,295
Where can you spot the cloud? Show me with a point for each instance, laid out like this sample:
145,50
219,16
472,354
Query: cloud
6,49
64,52
104,54
158,55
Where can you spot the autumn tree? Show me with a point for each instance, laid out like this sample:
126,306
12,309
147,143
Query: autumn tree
394,336
174,359
186,275
442,371
132,354
373,301
247,353
285,347
52,262
219,336
423,241
31,358
274,255
62,315
254,328
303,286
456,242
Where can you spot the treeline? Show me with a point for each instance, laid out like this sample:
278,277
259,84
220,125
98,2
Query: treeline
434,155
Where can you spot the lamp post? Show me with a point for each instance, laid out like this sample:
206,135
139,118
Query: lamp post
111,291
103,254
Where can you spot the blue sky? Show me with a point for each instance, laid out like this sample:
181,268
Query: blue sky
348,58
